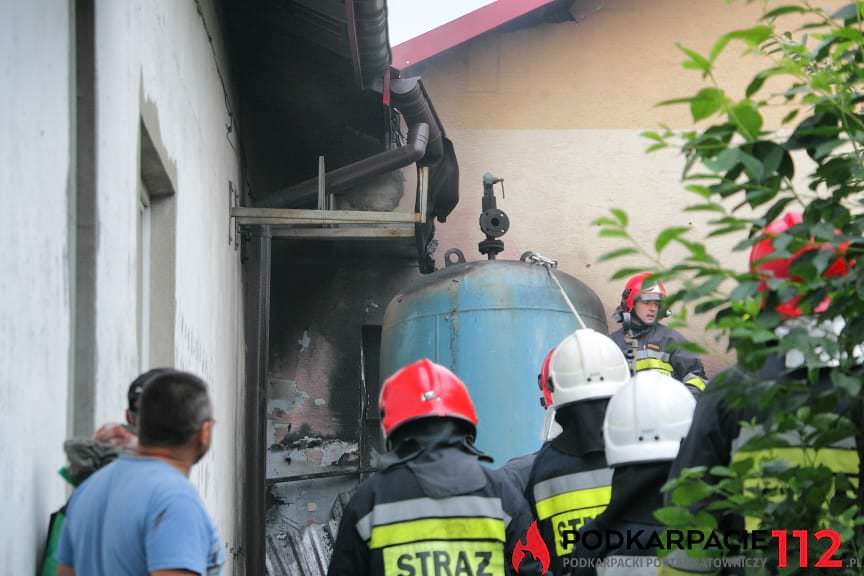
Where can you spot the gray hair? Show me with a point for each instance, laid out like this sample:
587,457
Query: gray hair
174,406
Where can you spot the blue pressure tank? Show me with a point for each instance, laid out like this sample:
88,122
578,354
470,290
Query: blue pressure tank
491,322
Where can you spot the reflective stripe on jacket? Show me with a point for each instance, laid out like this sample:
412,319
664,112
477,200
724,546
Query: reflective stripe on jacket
565,492
393,527
653,353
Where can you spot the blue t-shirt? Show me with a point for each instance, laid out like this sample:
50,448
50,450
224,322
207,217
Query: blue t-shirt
136,516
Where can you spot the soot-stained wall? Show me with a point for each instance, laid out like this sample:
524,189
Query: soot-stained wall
321,301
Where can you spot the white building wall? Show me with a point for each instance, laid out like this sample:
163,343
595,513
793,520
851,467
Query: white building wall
34,282
154,59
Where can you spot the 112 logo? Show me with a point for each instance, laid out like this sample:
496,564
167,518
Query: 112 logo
827,559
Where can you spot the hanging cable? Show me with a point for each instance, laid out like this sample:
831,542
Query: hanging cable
550,265
230,125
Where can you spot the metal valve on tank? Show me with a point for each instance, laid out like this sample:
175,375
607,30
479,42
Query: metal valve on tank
494,222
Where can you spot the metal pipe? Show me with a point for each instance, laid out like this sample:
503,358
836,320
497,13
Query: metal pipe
317,475
410,97
342,179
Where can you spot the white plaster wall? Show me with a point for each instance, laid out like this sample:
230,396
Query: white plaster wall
34,295
157,50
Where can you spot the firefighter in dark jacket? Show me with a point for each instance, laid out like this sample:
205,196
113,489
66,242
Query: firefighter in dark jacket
646,343
717,437
433,510
644,425
569,482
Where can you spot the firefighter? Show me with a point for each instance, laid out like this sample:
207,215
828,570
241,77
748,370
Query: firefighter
569,482
646,343
434,509
644,425
717,437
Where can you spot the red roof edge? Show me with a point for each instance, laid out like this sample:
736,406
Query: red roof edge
461,29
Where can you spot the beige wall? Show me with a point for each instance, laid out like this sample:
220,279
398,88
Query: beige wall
556,110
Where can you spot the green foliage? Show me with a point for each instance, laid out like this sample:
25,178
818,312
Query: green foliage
743,174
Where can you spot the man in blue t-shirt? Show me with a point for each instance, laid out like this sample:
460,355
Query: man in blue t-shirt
140,515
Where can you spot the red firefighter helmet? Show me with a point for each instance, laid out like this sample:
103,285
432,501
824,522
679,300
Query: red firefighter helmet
424,389
637,290
543,379
780,268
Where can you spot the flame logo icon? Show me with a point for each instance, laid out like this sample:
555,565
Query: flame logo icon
534,545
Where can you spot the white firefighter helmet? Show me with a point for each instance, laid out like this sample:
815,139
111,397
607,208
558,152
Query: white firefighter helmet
587,365
647,419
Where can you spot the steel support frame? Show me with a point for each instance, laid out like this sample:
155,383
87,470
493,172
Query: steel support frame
256,276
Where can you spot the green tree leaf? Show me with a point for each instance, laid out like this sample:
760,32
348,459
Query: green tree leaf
626,272
674,101
851,385
753,37
618,253
651,135
744,290
667,235
675,516
691,493
613,233
706,102
721,471
759,79
783,10
706,207
604,221
747,119
620,215
695,60
789,116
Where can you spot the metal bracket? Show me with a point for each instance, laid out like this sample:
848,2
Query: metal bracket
325,223
422,193
233,226
322,184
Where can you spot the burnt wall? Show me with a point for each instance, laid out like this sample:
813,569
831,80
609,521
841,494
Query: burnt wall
327,306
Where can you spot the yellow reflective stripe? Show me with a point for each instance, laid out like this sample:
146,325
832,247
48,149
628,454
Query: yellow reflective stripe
839,460
437,529
696,382
573,520
653,364
588,498
442,558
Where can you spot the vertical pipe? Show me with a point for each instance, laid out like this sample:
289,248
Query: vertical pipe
257,301
84,219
